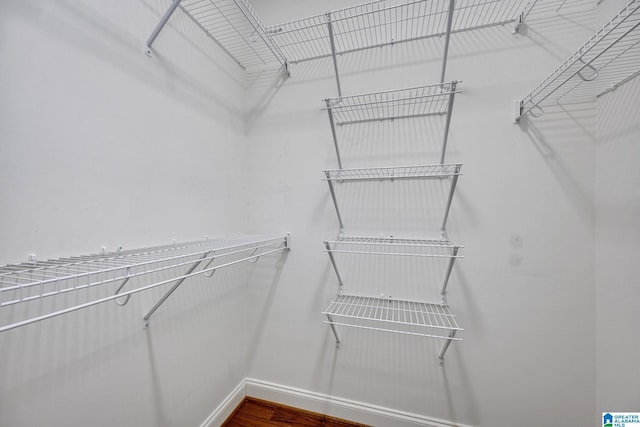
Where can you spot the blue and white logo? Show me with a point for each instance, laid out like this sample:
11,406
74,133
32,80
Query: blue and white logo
621,419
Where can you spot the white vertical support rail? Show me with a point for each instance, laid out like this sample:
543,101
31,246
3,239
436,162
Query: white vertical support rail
333,52
333,131
443,229
452,6
447,123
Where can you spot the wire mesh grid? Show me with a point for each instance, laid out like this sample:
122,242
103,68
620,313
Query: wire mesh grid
236,28
400,172
394,246
608,59
431,100
381,23
381,314
34,280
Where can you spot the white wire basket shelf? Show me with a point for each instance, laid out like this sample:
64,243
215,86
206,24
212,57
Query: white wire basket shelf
397,316
431,100
383,23
234,26
37,280
398,172
393,246
609,59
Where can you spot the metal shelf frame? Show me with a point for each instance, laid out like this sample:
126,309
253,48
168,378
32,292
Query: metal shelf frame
393,247
422,101
36,280
440,171
231,24
390,315
383,23
609,59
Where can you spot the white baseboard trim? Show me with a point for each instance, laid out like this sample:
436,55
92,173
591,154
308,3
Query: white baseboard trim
338,407
224,409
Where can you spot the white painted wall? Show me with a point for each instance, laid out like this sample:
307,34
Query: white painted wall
103,146
528,353
617,242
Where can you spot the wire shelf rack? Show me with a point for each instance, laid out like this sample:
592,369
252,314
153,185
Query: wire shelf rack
398,172
30,281
431,100
390,315
610,58
393,246
234,26
383,23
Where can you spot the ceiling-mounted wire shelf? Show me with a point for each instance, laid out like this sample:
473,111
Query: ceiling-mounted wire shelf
610,58
38,280
393,246
383,23
396,172
234,26
390,315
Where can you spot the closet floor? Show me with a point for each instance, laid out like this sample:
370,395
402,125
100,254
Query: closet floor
254,412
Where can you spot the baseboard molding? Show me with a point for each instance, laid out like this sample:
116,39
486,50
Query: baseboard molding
224,409
338,407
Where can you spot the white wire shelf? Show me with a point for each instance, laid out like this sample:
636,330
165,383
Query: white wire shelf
382,23
393,246
390,315
610,58
234,26
398,172
431,100
30,281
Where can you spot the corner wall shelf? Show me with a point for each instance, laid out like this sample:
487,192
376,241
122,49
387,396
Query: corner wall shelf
37,280
382,23
431,100
609,59
399,316
231,24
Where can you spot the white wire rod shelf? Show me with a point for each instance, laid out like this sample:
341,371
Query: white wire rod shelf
393,246
395,172
390,315
39,279
233,25
383,23
441,171
610,58
430,100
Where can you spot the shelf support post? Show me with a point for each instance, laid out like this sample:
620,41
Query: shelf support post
333,329
333,52
448,274
333,132
173,288
452,334
160,26
452,6
335,202
448,120
443,229
335,267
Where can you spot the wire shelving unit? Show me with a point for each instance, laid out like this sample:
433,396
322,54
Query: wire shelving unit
439,171
39,280
391,315
383,23
231,24
422,101
609,59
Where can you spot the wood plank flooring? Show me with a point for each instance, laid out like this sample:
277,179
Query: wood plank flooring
254,412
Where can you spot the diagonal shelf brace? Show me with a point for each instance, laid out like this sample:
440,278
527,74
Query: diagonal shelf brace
443,229
447,124
445,347
333,52
160,26
454,255
335,266
333,329
335,201
333,131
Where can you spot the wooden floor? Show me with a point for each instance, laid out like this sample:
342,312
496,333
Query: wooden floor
259,413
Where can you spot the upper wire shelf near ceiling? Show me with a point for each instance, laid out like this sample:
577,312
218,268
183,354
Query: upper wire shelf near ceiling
382,23
431,100
234,26
36,280
397,172
393,246
610,58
